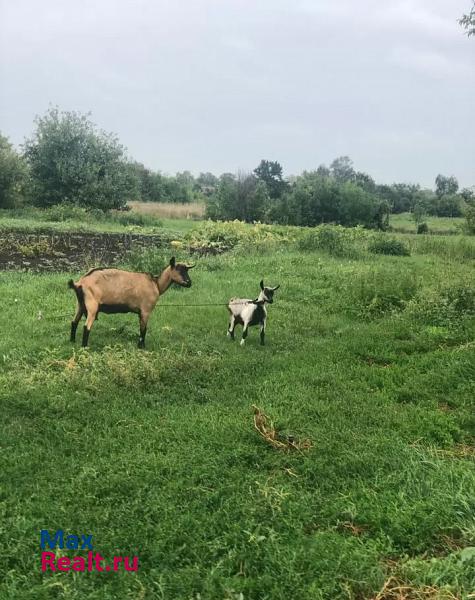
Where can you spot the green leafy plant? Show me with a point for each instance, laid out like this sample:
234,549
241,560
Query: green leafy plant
335,240
445,306
388,245
470,220
422,228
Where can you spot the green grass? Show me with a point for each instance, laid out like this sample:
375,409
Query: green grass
448,225
67,219
27,225
181,225
155,454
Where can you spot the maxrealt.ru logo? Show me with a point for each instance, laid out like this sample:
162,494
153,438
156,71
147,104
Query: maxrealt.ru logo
51,561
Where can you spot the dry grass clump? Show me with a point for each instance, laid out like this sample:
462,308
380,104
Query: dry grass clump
170,210
395,589
265,428
458,451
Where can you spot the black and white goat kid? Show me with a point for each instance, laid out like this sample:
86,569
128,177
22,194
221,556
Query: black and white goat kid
248,312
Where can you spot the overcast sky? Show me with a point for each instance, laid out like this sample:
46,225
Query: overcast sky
216,85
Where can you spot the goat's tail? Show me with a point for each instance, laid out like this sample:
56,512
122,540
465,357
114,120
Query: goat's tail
78,291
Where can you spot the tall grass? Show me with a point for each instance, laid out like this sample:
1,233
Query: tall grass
452,248
70,216
169,210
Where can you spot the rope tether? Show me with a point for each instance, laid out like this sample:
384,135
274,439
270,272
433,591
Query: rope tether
40,315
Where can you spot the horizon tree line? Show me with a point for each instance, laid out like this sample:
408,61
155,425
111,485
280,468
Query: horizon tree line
69,160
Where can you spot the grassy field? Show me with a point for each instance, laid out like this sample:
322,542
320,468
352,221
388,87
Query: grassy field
440,225
144,218
154,452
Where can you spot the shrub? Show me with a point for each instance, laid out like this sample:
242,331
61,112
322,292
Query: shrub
388,245
133,218
422,228
225,235
470,220
64,212
443,307
462,298
334,240
383,291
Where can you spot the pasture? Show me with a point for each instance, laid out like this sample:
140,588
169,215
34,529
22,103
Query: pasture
370,356
404,222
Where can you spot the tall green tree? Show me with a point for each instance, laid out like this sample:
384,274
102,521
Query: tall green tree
365,181
468,195
467,21
151,183
72,161
323,171
243,197
342,169
206,184
270,173
13,174
449,205
207,179
445,186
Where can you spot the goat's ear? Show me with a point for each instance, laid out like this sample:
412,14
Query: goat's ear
276,287
190,266
262,284
172,262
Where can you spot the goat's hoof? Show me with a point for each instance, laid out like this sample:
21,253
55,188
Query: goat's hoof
242,342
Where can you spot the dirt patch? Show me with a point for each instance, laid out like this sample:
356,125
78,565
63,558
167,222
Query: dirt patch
53,251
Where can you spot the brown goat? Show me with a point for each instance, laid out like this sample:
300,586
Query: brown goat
116,291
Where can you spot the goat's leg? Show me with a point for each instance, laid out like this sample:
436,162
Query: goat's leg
232,327
75,321
92,308
263,332
244,333
143,329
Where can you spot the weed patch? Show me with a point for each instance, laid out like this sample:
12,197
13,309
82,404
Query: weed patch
389,246
443,307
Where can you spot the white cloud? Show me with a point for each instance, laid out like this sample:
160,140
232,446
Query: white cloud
418,16
430,62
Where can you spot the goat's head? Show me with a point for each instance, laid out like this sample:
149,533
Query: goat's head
267,294
179,273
